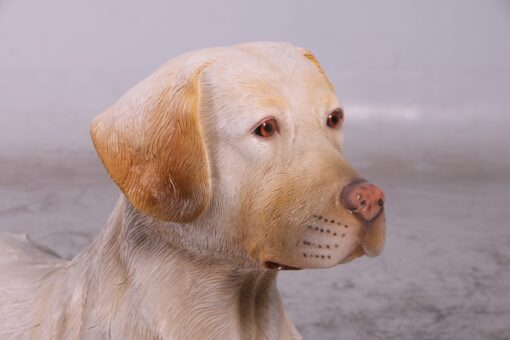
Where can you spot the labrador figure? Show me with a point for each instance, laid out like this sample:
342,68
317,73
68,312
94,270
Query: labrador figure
231,168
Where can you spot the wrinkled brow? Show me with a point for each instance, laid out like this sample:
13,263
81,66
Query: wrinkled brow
261,93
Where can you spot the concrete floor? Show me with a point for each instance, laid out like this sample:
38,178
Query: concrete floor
445,272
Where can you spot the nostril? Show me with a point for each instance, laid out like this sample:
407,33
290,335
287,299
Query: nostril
380,202
363,203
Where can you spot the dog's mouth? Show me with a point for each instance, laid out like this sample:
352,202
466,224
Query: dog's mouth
279,266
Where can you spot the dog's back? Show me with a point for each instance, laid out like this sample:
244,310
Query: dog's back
19,248
24,269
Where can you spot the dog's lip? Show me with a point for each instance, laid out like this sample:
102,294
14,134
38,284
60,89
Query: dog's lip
279,266
358,252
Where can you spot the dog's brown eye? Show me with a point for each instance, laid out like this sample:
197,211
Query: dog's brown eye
335,119
267,128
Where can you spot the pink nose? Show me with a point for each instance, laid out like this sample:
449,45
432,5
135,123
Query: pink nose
364,199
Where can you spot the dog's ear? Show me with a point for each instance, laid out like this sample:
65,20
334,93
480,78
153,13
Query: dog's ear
152,145
309,55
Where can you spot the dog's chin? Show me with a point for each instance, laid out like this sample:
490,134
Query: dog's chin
280,265
358,252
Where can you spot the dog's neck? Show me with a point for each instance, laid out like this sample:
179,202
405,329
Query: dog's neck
143,284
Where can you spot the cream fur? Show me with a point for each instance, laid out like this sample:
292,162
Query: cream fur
196,270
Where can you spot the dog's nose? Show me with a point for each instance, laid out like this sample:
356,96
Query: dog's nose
364,199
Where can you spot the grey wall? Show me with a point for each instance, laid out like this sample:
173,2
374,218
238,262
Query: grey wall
420,62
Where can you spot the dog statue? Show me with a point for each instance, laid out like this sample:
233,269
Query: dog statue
231,168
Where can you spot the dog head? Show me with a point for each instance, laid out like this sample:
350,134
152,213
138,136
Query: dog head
240,150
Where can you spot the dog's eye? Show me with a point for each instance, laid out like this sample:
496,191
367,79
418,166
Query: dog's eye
267,128
335,119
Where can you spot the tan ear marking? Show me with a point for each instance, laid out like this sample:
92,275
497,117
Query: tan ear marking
309,55
152,146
